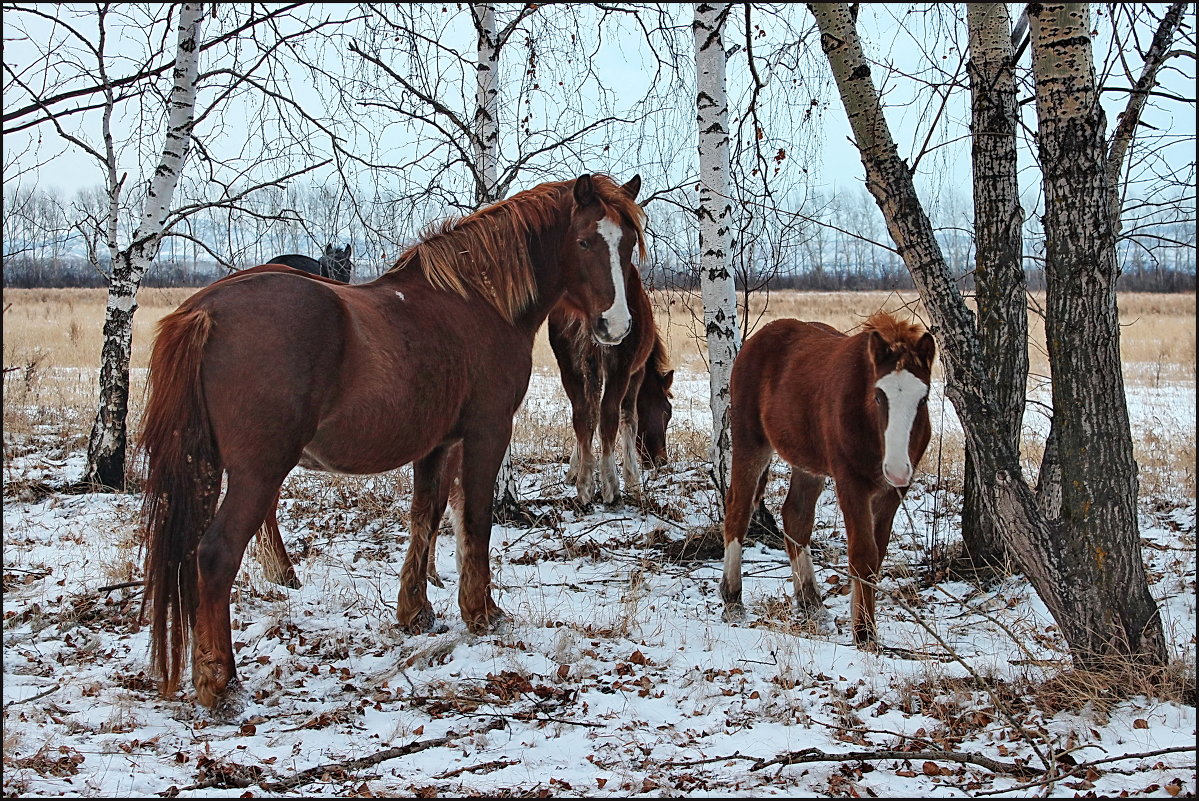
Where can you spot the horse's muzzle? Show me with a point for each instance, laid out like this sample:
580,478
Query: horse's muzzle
605,336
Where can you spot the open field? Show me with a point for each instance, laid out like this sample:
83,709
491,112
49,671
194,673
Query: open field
617,676
53,338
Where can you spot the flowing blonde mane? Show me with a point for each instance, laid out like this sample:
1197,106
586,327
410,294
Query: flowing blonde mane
486,252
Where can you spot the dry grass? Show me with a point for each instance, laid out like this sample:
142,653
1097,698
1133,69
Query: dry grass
52,340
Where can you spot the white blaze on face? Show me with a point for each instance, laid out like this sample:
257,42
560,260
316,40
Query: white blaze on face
904,392
617,318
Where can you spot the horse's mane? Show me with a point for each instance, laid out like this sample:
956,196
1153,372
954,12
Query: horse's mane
900,335
485,251
659,360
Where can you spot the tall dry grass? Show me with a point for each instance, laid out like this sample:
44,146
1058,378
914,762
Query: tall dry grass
53,338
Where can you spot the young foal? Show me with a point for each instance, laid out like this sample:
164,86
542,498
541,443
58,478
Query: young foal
849,407
267,369
334,264
634,379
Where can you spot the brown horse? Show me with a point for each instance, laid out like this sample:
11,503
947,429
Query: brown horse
627,386
849,407
645,406
267,369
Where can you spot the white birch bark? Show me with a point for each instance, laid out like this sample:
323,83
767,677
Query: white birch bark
486,124
484,145
106,446
715,225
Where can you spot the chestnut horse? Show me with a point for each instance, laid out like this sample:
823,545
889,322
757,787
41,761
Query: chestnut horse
267,369
644,406
627,386
849,407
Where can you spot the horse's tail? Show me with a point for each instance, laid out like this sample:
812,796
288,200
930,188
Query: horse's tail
182,486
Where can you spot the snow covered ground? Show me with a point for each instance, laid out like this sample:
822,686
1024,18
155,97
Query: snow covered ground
616,677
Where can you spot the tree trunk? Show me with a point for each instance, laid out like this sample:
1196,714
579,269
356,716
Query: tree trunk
106,446
484,144
715,226
1101,543
998,265
1095,624
1049,483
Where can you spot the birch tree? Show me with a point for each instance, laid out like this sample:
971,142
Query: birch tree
1086,566
95,78
106,445
715,212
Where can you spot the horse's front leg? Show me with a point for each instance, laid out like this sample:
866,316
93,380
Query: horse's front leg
582,395
630,462
614,390
855,500
413,610
218,557
750,461
481,455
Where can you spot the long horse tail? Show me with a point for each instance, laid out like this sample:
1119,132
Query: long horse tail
182,486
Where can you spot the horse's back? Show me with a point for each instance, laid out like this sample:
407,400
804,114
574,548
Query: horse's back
298,262
790,384
785,345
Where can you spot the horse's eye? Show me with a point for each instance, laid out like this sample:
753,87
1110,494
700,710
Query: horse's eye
585,244
878,396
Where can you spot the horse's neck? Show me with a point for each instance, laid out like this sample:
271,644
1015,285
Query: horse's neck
547,273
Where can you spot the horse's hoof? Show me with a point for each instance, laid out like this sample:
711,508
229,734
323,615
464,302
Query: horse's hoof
417,622
818,618
435,579
221,707
865,640
734,612
496,620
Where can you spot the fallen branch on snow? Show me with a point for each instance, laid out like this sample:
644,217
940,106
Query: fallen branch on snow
816,755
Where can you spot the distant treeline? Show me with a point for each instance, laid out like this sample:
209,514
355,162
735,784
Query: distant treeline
26,273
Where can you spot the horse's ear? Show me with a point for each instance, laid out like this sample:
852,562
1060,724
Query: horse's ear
328,248
667,380
584,190
347,251
633,187
926,349
880,349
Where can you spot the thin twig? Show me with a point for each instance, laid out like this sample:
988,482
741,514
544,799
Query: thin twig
121,586
816,755
486,767
53,689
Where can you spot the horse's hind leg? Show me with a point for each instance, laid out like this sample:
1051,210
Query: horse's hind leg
799,517
413,610
218,557
449,491
272,554
750,462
